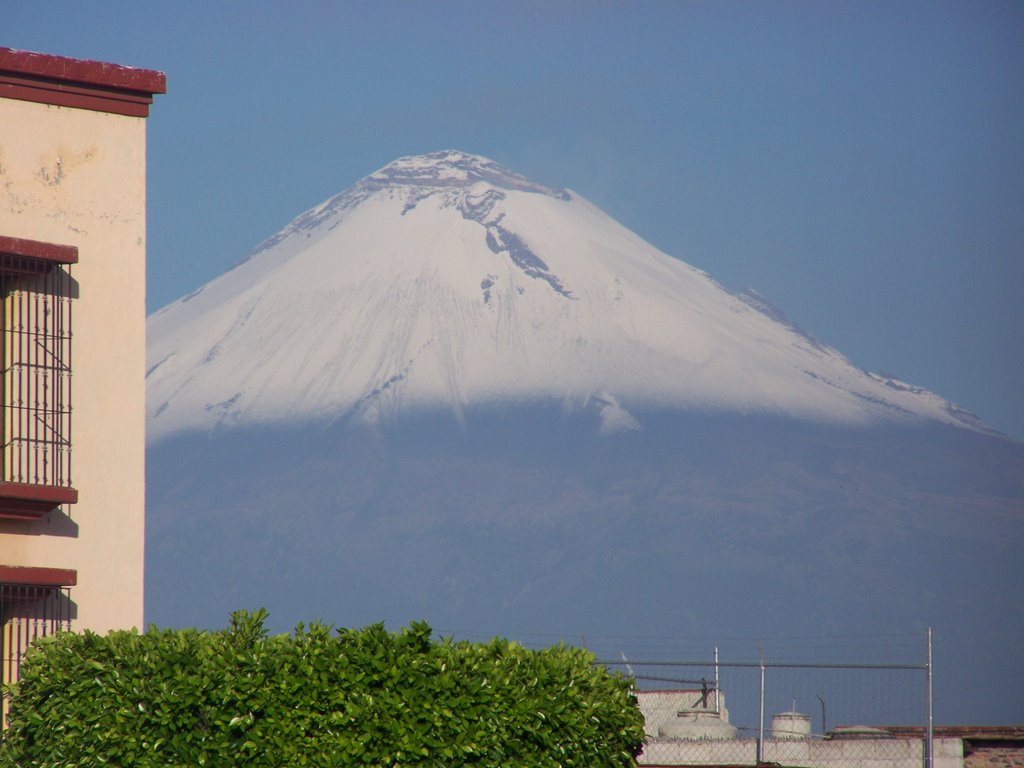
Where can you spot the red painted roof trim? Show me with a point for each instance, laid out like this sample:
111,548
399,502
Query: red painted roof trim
38,577
78,83
39,250
82,71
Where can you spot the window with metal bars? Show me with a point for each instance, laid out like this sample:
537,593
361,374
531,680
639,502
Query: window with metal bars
28,612
36,289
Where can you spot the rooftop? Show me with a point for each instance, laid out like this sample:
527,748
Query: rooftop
78,83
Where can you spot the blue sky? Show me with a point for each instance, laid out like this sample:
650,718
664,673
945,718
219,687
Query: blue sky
860,164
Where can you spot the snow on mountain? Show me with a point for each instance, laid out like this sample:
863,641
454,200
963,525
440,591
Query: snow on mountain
447,285
447,281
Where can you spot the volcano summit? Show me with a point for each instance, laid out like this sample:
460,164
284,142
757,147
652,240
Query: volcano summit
447,281
452,394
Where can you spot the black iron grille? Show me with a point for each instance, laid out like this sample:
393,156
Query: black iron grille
27,613
35,386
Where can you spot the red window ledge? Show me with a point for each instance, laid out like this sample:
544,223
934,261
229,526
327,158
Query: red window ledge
23,501
48,253
24,575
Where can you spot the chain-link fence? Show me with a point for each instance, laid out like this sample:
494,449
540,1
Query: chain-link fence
830,752
812,715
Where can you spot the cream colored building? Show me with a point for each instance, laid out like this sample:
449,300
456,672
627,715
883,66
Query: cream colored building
72,390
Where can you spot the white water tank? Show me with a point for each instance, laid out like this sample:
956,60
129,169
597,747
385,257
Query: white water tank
791,725
697,725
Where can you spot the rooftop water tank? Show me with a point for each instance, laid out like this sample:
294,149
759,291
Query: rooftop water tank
791,725
693,725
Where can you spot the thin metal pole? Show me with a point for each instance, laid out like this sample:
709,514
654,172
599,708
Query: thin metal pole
760,728
930,745
70,332
49,321
5,325
22,389
33,361
19,402
718,702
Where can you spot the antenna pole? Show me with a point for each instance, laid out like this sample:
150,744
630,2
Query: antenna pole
718,702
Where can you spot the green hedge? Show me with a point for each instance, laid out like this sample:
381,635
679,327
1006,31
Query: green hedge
316,698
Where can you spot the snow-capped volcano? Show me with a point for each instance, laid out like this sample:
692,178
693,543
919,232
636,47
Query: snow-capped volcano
445,280
487,329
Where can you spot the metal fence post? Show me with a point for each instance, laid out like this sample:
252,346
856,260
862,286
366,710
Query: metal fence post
760,728
930,738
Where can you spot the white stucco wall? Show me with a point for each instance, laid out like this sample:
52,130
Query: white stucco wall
668,709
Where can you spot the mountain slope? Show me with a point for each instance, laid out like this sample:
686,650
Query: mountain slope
447,281
698,529
452,394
